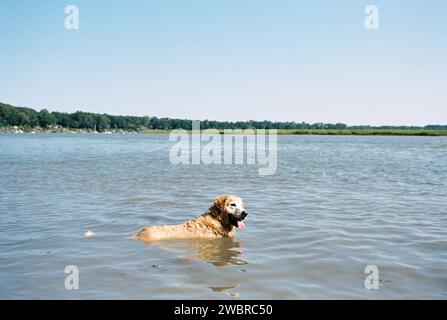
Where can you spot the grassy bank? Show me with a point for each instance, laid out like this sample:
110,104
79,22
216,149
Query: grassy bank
368,132
360,132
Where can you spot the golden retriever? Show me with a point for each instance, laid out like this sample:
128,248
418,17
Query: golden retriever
226,213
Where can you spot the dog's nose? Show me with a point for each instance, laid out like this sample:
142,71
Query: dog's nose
243,214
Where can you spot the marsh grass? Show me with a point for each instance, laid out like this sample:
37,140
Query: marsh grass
363,132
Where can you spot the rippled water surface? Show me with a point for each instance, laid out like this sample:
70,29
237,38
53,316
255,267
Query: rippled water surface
335,205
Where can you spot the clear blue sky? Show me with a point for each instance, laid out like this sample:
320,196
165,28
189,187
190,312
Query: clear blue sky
280,60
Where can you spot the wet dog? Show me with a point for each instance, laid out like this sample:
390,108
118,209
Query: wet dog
226,213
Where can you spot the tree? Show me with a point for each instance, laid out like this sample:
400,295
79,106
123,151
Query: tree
46,119
102,122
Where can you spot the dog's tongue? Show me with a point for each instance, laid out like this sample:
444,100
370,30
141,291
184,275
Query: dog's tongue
241,224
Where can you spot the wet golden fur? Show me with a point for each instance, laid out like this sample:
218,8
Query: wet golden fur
211,225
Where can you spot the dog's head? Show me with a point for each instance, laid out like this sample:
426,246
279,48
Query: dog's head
230,209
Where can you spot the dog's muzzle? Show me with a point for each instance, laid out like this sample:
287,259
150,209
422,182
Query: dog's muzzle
237,221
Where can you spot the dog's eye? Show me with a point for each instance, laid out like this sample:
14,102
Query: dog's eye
233,204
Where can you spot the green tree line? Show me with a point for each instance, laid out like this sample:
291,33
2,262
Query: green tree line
27,117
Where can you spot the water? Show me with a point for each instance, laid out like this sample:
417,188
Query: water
335,205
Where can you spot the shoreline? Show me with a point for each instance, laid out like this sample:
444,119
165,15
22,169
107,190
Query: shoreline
342,132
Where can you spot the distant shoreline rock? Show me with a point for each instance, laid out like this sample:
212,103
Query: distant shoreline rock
58,129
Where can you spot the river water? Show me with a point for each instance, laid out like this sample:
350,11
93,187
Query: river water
335,205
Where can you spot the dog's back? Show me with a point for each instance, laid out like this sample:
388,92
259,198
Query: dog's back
204,226
157,233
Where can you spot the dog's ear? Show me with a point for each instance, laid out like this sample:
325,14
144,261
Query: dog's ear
220,201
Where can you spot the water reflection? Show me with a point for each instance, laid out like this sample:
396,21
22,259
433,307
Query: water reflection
219,252
226,290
